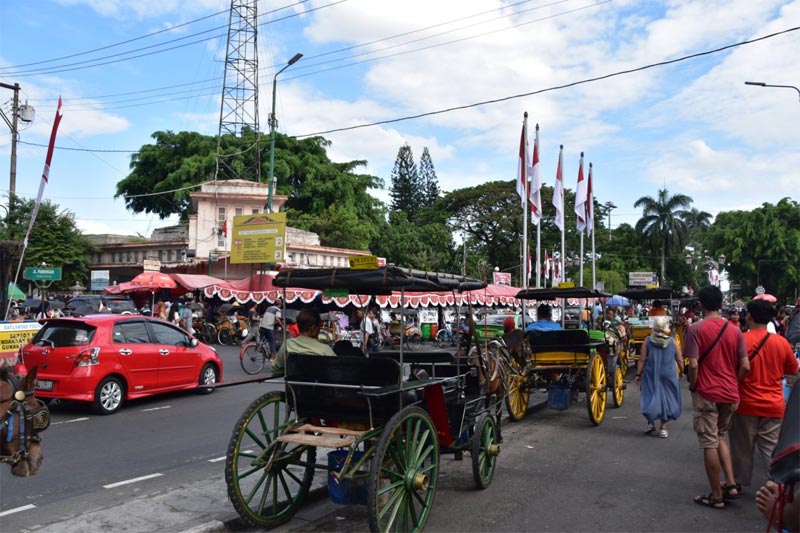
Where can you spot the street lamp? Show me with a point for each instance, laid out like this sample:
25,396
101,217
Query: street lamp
25,114
273,124
609,206
762,84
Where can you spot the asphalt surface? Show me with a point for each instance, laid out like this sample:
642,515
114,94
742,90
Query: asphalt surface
556,472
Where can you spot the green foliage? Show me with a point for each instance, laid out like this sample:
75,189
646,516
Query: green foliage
428,179
663,222
406,192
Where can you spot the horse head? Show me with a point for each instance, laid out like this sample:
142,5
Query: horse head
22,418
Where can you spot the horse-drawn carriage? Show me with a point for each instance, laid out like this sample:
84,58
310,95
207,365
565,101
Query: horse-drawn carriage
640,329
386,419
565,362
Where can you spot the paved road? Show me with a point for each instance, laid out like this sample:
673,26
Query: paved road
556,473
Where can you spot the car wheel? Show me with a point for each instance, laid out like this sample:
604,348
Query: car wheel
108,396
208,378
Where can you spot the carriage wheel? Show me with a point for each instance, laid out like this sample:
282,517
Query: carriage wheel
596,382
265,488
414,342
624,357
485,450
618,386
404,473
225,337
518,392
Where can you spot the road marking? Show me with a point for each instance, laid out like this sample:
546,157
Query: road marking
156,408
218,459
84,419
129,481
18,509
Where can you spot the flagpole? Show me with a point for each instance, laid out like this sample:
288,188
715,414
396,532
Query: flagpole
590,220
577,192
539,222
561,199
523,180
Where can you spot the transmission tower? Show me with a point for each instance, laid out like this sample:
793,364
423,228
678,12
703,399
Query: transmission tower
238,114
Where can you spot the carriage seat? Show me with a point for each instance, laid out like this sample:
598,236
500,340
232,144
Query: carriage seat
312,388
573,340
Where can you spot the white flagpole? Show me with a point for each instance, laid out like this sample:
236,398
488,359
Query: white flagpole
538,224
523,175
580,264
590,220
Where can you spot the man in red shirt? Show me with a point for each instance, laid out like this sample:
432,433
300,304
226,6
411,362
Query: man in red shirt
761,406
717,363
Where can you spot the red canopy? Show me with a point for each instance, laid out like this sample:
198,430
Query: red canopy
195,281
151,280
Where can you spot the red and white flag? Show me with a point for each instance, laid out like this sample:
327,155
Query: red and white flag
530,266
523,164
589,204
558,192
580,198
225,228
45,173
546,266
535,193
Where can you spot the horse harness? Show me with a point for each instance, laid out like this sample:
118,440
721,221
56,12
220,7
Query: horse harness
32,421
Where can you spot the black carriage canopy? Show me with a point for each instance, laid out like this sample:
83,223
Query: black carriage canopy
555,293
659,293
382,281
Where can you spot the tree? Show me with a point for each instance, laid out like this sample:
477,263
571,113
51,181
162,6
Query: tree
406,191
428,180
663,221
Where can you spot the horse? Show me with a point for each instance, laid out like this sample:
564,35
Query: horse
22,418
490,373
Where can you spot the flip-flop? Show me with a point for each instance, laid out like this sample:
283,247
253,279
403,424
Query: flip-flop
710,501
728,489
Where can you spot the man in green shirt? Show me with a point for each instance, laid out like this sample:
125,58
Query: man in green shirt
306,343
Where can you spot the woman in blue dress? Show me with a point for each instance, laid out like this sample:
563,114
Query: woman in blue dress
658,379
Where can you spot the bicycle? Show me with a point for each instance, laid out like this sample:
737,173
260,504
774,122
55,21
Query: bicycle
446,336
254,356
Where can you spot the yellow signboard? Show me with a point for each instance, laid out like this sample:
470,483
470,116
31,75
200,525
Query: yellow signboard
13,336
258,238
566,284
363,262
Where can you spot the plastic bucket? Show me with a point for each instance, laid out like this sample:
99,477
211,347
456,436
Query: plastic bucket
345,491
434,330
558,396
425,329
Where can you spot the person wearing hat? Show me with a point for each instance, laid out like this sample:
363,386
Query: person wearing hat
657,379
757,420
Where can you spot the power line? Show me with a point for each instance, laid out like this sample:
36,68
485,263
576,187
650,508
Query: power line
553,88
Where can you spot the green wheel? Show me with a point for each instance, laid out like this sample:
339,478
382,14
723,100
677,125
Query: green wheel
267,484
596,394
518,392
404,473
485,450
618,386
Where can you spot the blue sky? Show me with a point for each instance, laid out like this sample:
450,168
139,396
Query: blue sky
692,126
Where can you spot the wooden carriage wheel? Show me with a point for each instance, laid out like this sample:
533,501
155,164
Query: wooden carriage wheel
518,392
596,393
618,386
266,488
485,450
404,473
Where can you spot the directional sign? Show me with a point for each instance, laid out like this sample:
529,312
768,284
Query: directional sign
42,273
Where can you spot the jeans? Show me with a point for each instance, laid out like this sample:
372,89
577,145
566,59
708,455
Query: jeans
268,335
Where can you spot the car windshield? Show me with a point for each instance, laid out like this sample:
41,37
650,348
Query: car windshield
120,306
64,335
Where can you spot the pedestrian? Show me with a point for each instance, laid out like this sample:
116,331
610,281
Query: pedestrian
717,363
656,376
369,342
758,419
252,324
270,319
187,318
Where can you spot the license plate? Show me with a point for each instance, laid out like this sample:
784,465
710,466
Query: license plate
45,385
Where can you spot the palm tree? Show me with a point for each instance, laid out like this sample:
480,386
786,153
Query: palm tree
697,222
664,221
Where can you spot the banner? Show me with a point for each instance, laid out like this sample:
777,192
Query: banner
258,238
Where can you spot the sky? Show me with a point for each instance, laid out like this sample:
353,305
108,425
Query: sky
128,68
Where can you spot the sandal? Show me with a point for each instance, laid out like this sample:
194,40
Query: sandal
710,501
728,491
650,429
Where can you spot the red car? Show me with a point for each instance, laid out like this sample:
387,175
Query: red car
108,359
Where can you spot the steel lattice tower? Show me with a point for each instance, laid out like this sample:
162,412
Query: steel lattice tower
238,115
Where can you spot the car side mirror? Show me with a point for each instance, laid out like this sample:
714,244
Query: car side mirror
193,342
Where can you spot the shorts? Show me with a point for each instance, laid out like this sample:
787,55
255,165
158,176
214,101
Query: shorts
711,420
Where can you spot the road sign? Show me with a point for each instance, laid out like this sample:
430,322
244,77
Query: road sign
42,273
151,264
760,290
642,279
258,238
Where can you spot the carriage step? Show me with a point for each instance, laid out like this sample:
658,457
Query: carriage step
328,430
317,440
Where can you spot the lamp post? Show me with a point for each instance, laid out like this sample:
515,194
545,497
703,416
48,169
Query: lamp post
273,124
762,84
23,113
609,206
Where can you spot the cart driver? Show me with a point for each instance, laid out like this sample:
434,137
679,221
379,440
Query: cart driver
657,309
306,343
544,320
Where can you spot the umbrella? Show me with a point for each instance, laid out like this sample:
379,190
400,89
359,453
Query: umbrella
768,297
151,280
32,303
14,292
618,301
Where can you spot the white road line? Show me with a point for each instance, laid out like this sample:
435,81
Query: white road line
18,509
129,481
84,419
156,408
218,459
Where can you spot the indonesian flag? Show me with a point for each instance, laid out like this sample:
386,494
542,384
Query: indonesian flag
45,173
530,266
523,164
546,265
556,267
535,193
580,199
225,228
558,192
589,204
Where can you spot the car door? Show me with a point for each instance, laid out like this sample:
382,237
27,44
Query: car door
178,362
137,355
